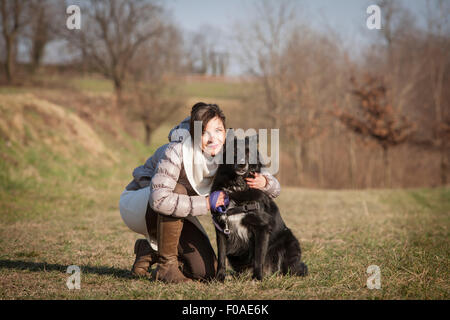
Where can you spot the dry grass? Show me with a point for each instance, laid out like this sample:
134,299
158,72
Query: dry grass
340,240
58,210
29,120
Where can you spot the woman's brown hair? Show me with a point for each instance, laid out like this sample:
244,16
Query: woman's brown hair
205,112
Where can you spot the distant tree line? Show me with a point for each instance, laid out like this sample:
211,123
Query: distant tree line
113,33
382,120
333,111
133,43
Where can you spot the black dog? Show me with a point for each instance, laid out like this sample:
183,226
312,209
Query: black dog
252,234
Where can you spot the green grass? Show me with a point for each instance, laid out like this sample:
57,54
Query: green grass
193,88
11,90
95,85
217,90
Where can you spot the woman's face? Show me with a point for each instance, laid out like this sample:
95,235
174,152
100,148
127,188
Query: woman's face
214,136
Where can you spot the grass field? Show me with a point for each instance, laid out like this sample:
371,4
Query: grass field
192,88
59,207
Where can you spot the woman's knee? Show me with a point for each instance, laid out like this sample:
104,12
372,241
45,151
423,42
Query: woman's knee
197,252
200,269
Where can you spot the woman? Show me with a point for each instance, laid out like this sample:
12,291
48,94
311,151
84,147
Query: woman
170,190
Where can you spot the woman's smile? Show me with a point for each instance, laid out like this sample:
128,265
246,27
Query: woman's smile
214,136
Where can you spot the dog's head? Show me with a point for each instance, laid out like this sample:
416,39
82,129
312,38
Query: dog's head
246,160
241,159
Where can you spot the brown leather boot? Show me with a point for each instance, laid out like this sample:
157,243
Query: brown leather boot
169,230
145,257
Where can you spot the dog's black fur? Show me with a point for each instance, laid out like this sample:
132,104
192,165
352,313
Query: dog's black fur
258,240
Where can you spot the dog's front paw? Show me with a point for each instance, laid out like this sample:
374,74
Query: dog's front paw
220,275
303,270
257,276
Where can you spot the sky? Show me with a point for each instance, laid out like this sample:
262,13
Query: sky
192,14
349,15
345,17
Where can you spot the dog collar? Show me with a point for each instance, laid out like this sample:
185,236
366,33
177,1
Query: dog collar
251,206
225,231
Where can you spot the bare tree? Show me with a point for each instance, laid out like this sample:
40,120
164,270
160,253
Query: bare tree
438,55
400,36
421,56
147,105
205,52
112,33
292,64
213,62
13,20
223,62
298,78
261,42
151,95
196,53
45,19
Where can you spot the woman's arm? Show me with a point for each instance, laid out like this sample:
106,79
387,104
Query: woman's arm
273,187
265,182
162,198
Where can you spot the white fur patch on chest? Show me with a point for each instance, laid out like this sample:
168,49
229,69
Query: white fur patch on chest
236,228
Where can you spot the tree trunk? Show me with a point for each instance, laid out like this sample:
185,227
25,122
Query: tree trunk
298,159
118,108
39,39
320,164
10,59
37,52
444,164
352,156
120,103
148,134
387,168
118,90
368,174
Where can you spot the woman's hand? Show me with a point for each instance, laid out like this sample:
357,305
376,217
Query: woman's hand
259,182
220,201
